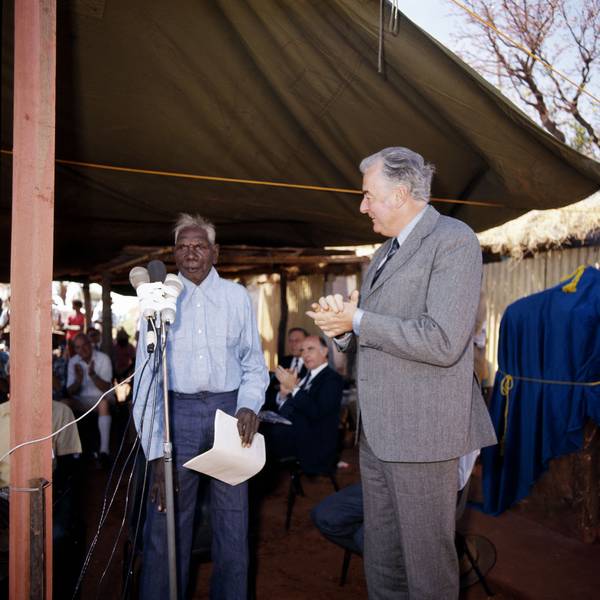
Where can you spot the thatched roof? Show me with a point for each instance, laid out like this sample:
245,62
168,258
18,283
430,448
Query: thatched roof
540,230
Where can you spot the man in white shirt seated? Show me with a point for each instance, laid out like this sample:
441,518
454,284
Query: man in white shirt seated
89,376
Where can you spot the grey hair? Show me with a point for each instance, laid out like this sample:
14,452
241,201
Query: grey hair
185,221
405,167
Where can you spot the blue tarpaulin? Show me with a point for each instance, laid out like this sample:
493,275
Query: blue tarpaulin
553,336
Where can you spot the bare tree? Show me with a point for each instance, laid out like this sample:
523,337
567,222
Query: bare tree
564,34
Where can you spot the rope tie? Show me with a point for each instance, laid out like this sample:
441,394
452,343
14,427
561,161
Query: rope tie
506,385
571,287
508,382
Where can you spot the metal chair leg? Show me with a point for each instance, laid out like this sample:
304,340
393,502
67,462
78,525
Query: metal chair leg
345,566
463,547
334,482
295,489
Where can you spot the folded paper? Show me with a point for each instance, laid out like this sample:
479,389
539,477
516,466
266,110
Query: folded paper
228,460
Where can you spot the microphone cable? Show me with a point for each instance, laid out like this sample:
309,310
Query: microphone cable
141,492
70,423
135,447
158,364
106,508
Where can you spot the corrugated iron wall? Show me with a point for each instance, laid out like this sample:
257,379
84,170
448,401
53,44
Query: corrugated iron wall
508,280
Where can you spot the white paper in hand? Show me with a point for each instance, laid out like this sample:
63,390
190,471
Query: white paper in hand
228,460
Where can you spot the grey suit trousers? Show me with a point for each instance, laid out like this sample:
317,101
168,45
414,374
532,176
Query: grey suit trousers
410,511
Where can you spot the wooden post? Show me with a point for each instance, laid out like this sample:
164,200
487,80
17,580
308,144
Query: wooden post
31,283
283,320
87,304
37,506
107,340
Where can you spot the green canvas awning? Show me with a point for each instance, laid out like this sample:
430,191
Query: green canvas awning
275,91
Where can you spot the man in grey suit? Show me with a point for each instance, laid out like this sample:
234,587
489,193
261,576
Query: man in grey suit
420,406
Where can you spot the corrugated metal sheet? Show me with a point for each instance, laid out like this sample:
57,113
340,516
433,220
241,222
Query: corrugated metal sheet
508,280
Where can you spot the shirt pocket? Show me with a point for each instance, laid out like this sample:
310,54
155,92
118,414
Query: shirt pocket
181,338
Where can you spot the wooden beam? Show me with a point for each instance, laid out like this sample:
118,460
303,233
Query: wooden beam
31,281
291,260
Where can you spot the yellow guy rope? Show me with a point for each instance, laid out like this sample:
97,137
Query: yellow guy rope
193,176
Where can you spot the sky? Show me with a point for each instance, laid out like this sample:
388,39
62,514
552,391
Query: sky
433,16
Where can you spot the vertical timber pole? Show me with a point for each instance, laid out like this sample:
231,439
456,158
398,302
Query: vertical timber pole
107,341
32,234
87,304
283,319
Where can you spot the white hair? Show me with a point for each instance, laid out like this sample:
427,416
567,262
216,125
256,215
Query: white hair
187,221
405,167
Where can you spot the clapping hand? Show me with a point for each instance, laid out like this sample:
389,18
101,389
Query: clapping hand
78,372
288,379
333,315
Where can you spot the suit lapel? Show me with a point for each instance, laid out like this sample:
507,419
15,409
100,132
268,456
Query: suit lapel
412,243
377,258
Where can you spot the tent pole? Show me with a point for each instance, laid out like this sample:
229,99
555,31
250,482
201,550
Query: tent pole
32,232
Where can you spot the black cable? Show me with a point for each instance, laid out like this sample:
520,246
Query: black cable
144,481
138,445
105,509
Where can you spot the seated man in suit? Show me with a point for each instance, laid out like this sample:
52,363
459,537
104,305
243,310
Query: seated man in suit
312,404
291,362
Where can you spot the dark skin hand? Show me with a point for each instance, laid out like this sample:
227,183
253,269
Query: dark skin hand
248,423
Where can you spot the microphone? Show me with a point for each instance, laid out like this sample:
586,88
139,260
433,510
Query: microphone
173,287
147,292
157,270
137,276
157,273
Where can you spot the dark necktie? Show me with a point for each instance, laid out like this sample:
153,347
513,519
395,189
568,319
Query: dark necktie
393,249
305,381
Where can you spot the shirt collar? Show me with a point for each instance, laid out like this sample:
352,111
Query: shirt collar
401,237
208,287
316,371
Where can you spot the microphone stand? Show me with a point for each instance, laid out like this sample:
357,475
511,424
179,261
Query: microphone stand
168,462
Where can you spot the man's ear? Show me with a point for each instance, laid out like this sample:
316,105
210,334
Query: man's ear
215,253
400,195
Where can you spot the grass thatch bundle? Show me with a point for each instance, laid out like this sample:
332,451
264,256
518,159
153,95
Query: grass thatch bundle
540,230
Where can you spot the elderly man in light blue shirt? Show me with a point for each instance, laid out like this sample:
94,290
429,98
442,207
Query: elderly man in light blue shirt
214,361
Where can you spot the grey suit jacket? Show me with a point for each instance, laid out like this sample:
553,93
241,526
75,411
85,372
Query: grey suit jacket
419,401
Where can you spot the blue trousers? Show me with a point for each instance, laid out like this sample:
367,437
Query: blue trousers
192,432
339,517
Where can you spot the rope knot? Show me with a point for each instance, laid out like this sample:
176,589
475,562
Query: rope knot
571,287
506,385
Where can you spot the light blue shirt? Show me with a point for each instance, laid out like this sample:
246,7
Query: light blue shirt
401,237
213,346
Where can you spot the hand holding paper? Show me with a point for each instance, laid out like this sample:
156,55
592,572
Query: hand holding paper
228,460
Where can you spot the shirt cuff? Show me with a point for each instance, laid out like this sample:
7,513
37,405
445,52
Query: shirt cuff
356,319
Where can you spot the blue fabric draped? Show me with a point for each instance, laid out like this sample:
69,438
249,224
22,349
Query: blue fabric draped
552,335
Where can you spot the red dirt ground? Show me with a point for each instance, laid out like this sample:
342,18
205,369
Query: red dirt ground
533,562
